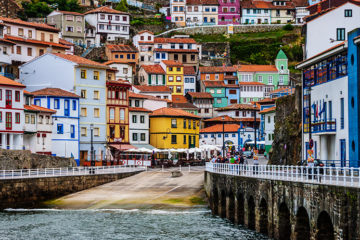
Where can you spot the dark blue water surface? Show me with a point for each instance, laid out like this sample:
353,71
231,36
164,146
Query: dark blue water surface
197,223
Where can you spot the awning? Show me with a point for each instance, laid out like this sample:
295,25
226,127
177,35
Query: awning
121,147
148,146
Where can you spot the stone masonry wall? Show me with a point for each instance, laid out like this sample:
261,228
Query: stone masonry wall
18,193
284,209
24,159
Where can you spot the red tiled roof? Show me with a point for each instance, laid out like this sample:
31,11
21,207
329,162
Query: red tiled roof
27,92
237,107
105,9
326,4
232,85
80,60
230,77
32,41
41,26
8,82
172,112
119,82
38,109
266,5
219,128
219,119
155,69
122,48
300,3
284,89
57,92
136,95
257,68
174,40
268,110
200,95
144,88
7,41
149,97
179,99
138,109
266,100
70,13
145,31
64,42
217,69
188,70
251,83
185,105
146,42
213,83
248,119
172,63
176,50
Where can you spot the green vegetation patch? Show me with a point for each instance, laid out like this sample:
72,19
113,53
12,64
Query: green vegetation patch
197,201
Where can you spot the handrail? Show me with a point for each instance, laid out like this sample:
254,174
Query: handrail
68,171
338,176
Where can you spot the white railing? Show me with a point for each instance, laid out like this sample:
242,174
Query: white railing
339,176
69,171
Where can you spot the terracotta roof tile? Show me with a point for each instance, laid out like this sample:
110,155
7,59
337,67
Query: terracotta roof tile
179,99
64,42
37,42
144,88
266,5
174,40
237,107
288,90
214,83
219,128
200,95
185,105
105,9
251,83
138,109
219,119
38,109
268,110
8,82
5,41
176,50
122,48
257,68
145,31
155,69
69,13
146,42
119,82
172,112
57,92
40,26
217,69
232,85
172,63
80,60
266,100
27,92
188,70
136,95
149,97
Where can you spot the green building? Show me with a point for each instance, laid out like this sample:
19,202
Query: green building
217,89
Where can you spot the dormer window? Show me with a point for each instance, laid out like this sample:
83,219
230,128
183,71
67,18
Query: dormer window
348,12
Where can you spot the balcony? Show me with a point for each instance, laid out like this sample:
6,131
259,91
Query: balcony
8,75
324,127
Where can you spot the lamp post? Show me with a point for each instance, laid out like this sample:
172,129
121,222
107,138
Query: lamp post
223,135
255,125
92,145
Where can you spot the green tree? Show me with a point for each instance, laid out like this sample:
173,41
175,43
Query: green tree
35,9
122,6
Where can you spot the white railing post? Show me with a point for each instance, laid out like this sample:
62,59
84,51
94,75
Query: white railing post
352,176
180,168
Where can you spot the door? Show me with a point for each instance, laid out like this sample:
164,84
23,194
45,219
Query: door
83,157
342,152
67,108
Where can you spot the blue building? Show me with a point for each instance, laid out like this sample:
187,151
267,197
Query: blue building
331,103
86,79
65,132
232,87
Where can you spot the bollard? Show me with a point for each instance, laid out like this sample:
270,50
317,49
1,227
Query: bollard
162,168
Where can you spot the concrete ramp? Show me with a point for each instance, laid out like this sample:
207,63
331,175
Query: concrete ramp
152,189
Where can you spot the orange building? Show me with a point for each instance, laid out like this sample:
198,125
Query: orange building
126,54
215,73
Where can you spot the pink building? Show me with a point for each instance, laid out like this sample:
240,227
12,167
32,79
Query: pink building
229,12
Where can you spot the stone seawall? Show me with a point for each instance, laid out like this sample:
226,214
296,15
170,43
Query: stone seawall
284,209
19,193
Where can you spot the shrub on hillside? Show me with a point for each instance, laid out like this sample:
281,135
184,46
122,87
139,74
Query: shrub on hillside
288,27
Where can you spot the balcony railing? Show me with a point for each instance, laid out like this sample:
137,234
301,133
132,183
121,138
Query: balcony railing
8,75
323,126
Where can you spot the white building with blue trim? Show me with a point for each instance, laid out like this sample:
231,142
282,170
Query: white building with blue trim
83,77
65,128
331,103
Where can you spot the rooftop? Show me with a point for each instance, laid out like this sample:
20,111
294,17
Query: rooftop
251,83
154,89
188,70
69,13
257,68
219,128
268,110
174,40
145,31
40,26
33,41
105,9
57,92
172,112
220,119
237,107
138,109
214,83
172,63
122,48
155,69
80,60
179,99
176,50
35,108
184,105
200,95
8,82
221,69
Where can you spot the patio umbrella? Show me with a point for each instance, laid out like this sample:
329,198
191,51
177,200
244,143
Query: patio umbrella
187,154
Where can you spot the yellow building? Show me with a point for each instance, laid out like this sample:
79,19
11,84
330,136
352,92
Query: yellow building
174,128
174,76
117,114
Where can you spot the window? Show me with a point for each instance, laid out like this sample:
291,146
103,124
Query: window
348,13
142,119
21,32
41,52
48,120
134,118
18,49
173,123
184,123
29,34
218,100
41,118
232,91
96,132
17,118
32,119
260,78
137,103
78,19
72,131
83,131
70,29
340,34
96,95
60,128
281,80
142,136
83,73
117,18
29,51
178,79
122,114
194,124
171,79
173,139
270,79
57,103
124,18
207,76
111,113
17,96
96,75
27,118
135,136
212,91
101,26
83,112
96,112
108,27
51,38
178,89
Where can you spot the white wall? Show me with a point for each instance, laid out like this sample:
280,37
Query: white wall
269,127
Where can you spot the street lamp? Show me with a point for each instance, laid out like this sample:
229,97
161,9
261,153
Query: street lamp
223,135
255,125
92,145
